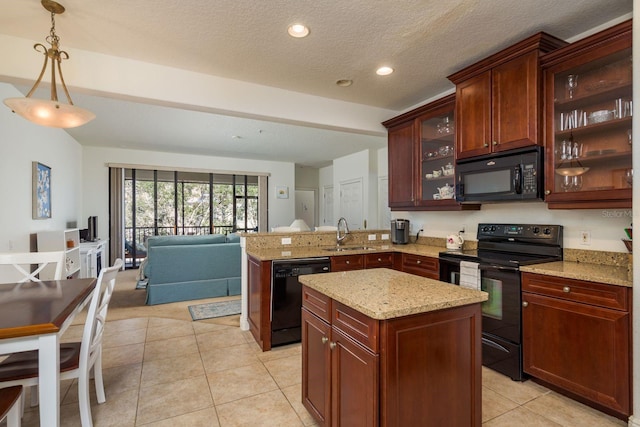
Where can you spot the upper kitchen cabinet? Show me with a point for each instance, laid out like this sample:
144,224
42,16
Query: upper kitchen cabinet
499,101
588,107
421,155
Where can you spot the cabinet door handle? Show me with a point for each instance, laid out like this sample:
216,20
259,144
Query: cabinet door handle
547,192
525,304
348,262
332,345
325,340
566,289
485,145
418,262
379,259
495,142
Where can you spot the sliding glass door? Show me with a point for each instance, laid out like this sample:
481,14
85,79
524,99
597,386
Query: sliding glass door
185,203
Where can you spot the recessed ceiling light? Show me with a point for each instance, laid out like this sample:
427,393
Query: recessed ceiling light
384,71
298,30
344,82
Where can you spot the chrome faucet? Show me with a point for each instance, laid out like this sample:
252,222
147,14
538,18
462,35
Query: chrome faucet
340,238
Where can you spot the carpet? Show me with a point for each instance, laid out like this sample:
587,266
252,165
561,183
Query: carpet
215,309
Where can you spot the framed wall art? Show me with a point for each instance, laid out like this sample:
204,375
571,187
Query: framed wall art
41,192
282,192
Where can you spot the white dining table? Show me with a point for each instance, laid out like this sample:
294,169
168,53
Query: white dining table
33,316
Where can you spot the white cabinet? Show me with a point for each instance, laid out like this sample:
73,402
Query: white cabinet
92,258
61,240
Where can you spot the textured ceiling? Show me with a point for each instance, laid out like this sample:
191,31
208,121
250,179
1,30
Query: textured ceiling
246,40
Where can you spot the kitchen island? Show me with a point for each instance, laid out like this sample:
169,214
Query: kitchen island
383,347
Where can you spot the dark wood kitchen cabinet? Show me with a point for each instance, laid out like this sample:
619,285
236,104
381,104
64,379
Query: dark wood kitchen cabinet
347,262
379,260
576,339
588,89
421,266
340,374
499,99
421,147
358,371
259,301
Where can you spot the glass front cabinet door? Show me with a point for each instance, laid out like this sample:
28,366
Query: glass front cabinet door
436,130
589,107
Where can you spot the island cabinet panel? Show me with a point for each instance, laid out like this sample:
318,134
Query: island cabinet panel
578,342
432,355
354,377
259,301
421,266
347,262
397,372
316,373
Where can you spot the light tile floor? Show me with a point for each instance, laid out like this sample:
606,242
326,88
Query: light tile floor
167,372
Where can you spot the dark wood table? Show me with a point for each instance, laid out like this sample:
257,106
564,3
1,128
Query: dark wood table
33,316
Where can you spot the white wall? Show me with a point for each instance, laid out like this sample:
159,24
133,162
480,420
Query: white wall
606,225
21,143
95,189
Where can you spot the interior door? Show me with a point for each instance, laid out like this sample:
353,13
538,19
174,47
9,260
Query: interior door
306,206
351,200
327,205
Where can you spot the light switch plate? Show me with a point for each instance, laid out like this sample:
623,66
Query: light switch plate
286,240
385,237
372,237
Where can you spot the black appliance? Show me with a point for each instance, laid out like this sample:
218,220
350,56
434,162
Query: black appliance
502,249
400,231
286,296
511,175
92,229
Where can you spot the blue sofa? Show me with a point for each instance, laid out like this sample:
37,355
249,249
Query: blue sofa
182,268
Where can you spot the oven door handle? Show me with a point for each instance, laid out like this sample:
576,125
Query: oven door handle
497,267
494,345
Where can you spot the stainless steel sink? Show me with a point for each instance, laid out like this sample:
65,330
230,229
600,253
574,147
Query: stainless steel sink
350,248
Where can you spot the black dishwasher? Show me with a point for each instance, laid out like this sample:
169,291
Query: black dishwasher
286,296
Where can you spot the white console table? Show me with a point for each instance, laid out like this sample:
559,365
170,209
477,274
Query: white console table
93,257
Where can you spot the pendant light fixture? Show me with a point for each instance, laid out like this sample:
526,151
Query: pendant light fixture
51,112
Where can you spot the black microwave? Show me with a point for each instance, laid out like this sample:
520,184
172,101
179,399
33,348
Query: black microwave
509,176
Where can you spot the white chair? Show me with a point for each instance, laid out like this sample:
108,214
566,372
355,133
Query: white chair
76,359
10,405
20,260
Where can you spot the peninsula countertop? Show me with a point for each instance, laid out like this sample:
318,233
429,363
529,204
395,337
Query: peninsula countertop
382,294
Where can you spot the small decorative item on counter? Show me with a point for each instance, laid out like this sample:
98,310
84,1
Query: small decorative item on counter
454,241
629,242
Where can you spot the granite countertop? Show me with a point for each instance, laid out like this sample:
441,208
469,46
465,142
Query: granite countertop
270,254
600,273
381,293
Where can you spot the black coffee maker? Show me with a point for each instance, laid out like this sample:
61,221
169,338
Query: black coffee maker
400,231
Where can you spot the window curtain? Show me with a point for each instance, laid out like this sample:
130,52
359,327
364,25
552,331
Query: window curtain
116,214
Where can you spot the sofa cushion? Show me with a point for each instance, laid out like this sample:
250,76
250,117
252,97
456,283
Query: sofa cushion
233,238
204,239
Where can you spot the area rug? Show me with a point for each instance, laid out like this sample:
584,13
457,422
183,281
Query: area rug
142,284
215,309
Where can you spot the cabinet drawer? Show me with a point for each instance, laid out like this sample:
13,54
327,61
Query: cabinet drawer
347,262
356,325
317,303
600,294
421,266
378,260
